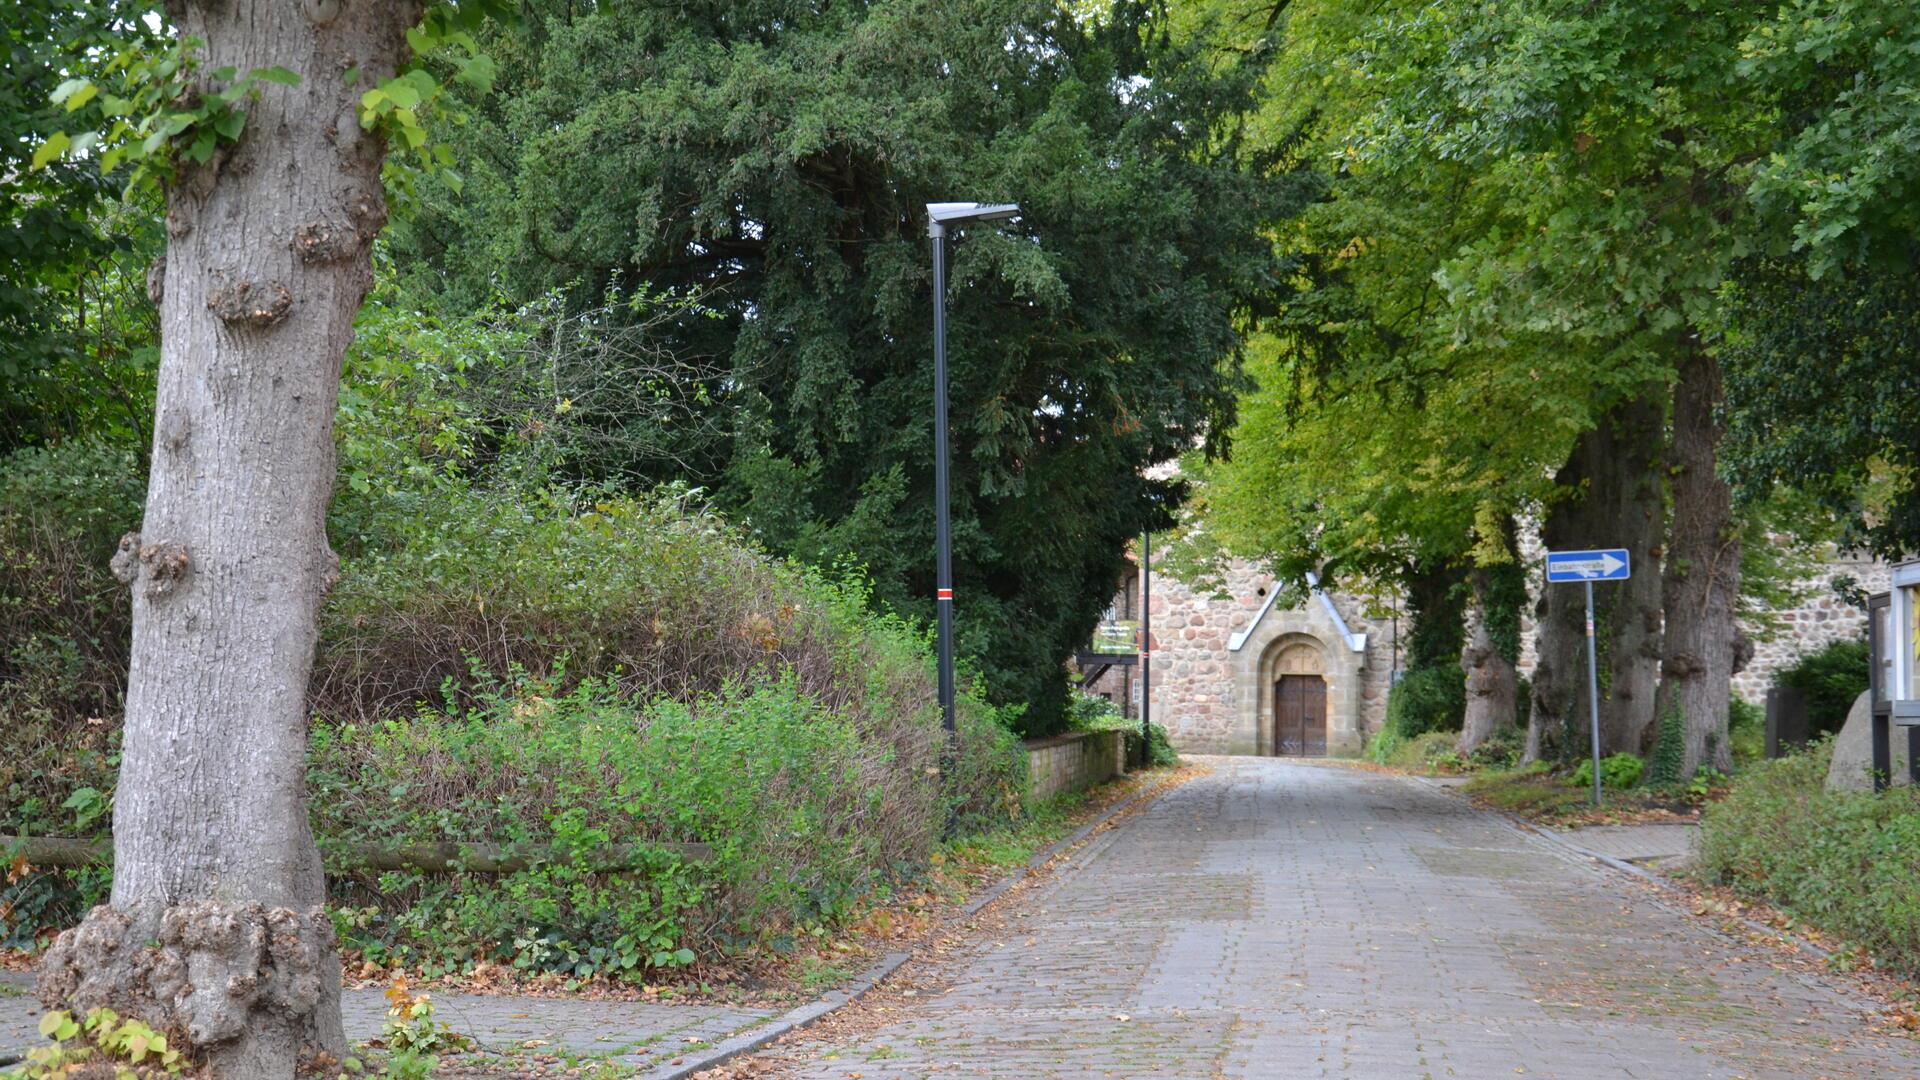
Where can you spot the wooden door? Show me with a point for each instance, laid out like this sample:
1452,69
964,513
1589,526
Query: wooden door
1300,716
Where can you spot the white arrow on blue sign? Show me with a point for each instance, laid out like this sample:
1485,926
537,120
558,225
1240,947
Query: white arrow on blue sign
1609,565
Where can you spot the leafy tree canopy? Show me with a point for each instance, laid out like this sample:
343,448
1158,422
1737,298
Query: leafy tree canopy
76,331
772,159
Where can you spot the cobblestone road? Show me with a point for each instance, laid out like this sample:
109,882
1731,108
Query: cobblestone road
1277,919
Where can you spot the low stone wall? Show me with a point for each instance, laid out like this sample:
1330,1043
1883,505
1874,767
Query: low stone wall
1075,761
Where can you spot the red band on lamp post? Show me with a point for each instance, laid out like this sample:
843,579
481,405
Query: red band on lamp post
943,594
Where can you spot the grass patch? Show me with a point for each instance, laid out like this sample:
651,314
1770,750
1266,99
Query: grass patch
1014,844
818,972
1530,791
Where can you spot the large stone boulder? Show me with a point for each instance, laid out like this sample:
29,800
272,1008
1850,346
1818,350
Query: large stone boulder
1853,751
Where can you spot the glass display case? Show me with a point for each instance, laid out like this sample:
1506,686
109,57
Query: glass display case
1899,646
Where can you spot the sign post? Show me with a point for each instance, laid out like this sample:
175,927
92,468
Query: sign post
1588,567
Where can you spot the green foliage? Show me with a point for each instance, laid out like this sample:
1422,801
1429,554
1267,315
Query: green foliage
1845,862
1433,751
1429,699
1384,747
101,1044
1836,78
1819,393
1746,731
413,1036
1618,772
64,624
1669,751
1091,712
1831,678
1503,748
77,333
157,109
780,175
806,812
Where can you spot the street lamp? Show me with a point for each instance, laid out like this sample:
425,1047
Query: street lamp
939,217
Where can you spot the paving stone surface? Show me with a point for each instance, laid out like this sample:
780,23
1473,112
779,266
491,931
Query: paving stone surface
1648,845
634,1033
1292,920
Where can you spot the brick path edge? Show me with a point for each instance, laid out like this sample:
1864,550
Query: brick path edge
805,1015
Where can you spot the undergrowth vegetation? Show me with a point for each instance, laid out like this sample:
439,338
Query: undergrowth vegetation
1091,712
559,672
1847,862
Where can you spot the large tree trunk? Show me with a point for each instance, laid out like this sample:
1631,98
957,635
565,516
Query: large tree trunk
1629,510
1612,497
1492,684
215,927
1703,573
1493,647
1559,650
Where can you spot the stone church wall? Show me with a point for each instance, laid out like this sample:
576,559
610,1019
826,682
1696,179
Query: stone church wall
1199,683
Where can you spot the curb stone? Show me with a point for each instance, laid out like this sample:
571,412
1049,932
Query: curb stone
1528,829
805,1015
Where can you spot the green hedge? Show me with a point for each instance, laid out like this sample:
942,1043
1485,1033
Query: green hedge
1429,699
1831,678
1846,862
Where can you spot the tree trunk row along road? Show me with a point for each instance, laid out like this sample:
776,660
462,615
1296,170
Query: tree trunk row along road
1289,920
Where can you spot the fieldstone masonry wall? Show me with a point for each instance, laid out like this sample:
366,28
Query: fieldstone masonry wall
1209,697
1822,618
1213,699
1074,762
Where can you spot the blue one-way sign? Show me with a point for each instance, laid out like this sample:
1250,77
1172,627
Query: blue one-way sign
1609,565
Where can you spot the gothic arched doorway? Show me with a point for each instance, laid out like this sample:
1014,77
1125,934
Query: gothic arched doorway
1299,711
1300,716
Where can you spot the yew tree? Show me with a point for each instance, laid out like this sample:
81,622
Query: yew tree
267,125
775,160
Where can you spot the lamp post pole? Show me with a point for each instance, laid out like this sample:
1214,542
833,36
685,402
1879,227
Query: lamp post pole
942,521
939,216
1146,650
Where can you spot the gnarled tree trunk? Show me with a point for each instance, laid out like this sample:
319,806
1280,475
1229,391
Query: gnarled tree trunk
215,927
1629,511
1493,647
1702,584
1613,497
1492,685
1557,699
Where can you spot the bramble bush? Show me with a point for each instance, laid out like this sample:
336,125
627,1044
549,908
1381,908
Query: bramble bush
1847,862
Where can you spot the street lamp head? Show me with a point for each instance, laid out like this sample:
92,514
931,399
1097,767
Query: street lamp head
942,214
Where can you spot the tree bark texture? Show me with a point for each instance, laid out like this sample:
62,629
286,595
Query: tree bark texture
1627,508
215,929
1557,698
1492,684
1613,498
1702,586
